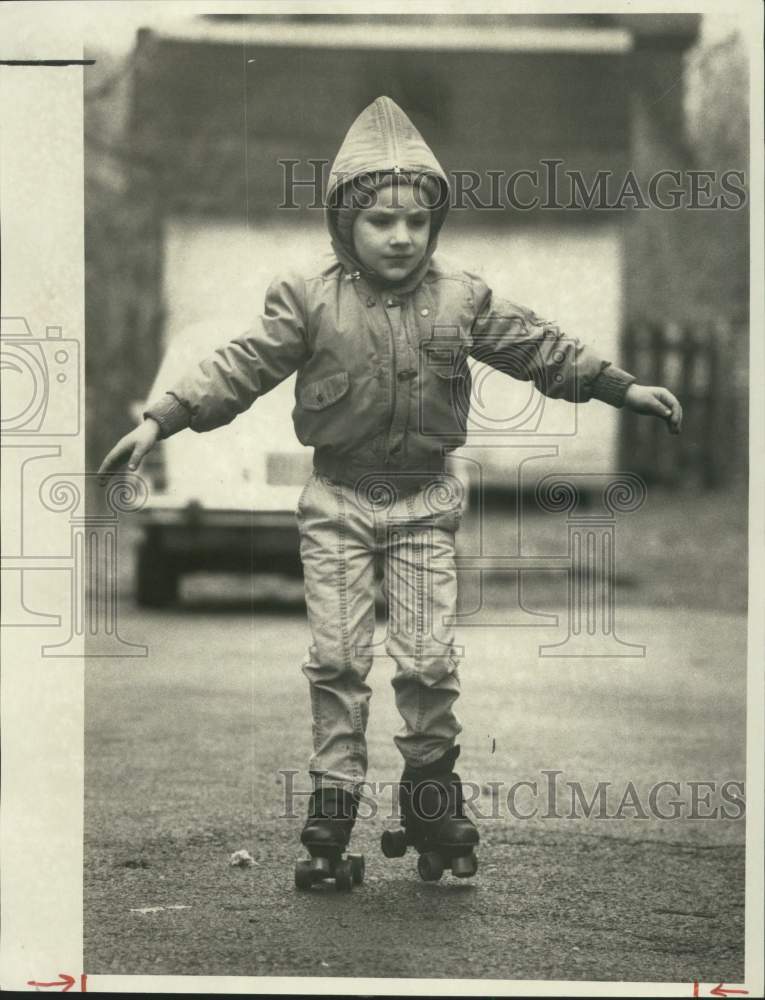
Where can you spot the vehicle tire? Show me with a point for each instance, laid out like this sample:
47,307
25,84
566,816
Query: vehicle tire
156,577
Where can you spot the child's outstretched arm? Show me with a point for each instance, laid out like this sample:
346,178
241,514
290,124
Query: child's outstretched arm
516,341
228,381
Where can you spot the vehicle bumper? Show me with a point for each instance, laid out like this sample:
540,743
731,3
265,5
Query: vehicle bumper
199,538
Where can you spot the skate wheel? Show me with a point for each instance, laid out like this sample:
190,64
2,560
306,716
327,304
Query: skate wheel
465,866
357,868
303,875
393,843
430,866
343,876
320,867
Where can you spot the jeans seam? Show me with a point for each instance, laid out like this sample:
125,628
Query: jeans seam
347,663
416,562
316,711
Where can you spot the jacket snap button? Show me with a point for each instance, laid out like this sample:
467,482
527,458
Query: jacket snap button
424,312
370,301
390,302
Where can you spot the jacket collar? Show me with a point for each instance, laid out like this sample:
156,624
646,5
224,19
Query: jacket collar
353,269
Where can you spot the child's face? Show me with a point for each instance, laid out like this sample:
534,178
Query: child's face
391,236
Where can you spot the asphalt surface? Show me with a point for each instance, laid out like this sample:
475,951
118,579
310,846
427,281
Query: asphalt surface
185,758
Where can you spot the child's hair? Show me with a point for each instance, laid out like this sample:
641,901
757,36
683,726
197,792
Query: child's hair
362,191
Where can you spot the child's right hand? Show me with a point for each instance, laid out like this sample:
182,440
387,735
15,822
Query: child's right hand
131,448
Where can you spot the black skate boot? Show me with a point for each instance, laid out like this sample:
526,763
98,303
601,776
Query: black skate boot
331,816
433,821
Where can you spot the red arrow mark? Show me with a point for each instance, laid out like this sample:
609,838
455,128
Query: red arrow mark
723,991
66,981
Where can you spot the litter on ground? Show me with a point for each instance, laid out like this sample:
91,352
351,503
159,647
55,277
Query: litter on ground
241,859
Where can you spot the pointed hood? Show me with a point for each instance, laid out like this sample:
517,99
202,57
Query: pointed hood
383,140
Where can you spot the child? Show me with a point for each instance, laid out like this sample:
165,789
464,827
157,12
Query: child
379,339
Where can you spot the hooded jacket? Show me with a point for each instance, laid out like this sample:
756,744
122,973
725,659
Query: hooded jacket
383,382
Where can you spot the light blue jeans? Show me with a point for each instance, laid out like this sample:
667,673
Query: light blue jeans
341,530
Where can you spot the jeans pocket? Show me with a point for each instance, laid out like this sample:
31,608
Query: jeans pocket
301,498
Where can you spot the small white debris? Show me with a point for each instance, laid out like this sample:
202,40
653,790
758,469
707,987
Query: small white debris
241,859
158,909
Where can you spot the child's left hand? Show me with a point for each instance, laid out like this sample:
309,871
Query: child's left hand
656,401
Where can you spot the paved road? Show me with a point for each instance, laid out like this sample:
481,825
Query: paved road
184,754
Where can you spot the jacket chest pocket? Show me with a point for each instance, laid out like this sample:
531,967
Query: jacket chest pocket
324,392
446,358
446,389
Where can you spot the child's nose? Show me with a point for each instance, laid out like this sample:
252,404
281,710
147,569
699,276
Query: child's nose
400,233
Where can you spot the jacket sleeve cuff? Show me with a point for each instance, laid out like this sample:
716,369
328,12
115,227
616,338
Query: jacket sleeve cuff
170,413
611,384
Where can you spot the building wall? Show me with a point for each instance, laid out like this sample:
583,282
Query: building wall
223,107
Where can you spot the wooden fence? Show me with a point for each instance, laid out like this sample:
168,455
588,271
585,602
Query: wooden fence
705,365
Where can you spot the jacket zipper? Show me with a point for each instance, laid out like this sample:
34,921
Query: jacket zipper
393,149
393,379
396,373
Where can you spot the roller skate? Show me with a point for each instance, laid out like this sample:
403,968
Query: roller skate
433,821
331,816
